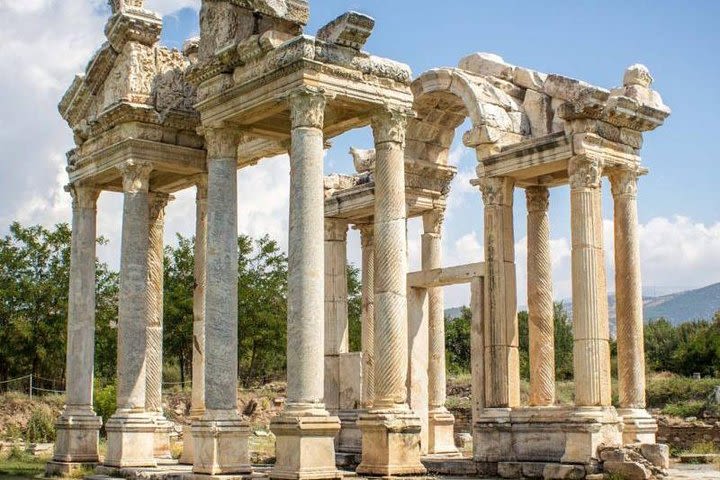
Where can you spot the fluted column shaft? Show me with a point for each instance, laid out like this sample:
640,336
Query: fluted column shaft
154,321
336,295
502,360
306,336
367,240
432,259
134,289
197,405
540,299
391,330
591,351
81,301
628,291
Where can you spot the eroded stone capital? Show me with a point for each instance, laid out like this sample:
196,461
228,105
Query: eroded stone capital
496,190
585,172
389,126
222,142
157,202
367,234
538,199
624,182
136,176
83,197
201,186
120,5
307,108
433,221
335,230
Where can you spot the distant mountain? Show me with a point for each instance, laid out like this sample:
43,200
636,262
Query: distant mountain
453,313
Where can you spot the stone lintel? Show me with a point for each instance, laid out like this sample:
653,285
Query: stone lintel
351,29
441,277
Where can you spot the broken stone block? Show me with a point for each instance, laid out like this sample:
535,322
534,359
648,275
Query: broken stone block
526,78
557,471
656,453
628,470
487,64
510,470
538,109
351,30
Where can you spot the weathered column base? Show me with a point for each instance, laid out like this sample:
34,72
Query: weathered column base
305,447
130,440
220,445
638,425
76,446
188,453
553,435
391,444
350,438
441,434
161,448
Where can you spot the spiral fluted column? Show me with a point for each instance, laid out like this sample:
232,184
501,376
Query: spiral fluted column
591,351
367,239
540,299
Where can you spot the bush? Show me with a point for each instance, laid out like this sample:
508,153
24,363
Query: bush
676,390
41,426
105,402
690,408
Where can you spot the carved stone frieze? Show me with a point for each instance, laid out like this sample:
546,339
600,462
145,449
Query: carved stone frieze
585,172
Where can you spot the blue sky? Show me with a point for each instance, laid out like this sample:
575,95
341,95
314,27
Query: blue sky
594,41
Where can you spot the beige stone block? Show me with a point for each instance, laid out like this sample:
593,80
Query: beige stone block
332,382
391,444
656,453
487,64
441,434
418,342
305,447
628,470
77,438
530,79
188,453
538,109
130,440
350,378
221,445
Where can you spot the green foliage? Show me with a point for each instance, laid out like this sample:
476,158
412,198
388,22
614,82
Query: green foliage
690,408
457,342
704,448
354,288
41,426
674,390
105,401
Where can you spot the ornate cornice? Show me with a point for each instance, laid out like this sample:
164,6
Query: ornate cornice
307,108
136,176
390,125
585,172
538,199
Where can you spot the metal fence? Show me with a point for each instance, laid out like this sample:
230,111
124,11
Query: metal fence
33,385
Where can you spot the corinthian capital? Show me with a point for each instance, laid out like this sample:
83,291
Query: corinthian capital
222,142
136,176
585,172
307,108
389,126
623,181
496,190
120,5
158,201
538,199
83,197
433,221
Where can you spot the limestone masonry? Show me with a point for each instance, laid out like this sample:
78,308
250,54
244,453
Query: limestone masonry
149,122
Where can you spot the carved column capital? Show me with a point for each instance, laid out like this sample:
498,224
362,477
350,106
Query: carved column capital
307,108
157,202
624,182
389,126
538,199
136,176
367,234
201,184
585,172
222,142
83,197
120,5
433,221
335,230
496,190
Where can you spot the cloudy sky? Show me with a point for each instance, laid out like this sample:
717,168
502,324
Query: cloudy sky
45,42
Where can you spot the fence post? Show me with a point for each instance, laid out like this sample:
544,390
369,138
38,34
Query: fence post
31,386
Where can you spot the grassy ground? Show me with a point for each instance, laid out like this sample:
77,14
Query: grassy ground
18,464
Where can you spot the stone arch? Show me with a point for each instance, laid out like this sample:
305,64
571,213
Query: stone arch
444,98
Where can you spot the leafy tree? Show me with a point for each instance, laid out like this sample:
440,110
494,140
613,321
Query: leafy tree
178,289
457,342
354,288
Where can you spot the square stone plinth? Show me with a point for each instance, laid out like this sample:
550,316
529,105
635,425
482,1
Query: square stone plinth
390,444
221,445
130,440
638,425
441,434
305,447
76,445
188,453
162,438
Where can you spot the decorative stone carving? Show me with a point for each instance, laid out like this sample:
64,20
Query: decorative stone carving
389,126
222,142
351,30
83,197
624,181
136,176
364,160
585,172
494,191
538,199
307,108
118,6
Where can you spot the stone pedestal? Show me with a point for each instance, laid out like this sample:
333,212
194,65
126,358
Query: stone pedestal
638,425
77,428
131,429
305,431
221,444
590,428
391,432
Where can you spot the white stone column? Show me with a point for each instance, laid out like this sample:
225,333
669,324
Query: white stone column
441,436
540,299
221,436
502,360
391,440
197,400
131,429
367,242
78,426
591,352
477,360
639,424
305,425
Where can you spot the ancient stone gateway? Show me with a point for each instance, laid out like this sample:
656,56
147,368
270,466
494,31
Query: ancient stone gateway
149,122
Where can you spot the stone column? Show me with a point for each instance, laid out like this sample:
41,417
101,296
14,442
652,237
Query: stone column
391,432
221,436
591,352
305,431
78,426
502,361
336,308
540,299
441,438
639,425
131,429
367,242
477,357
197,401
154,322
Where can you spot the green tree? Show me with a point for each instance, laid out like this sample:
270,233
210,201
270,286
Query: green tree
457,342
179,285
354,288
